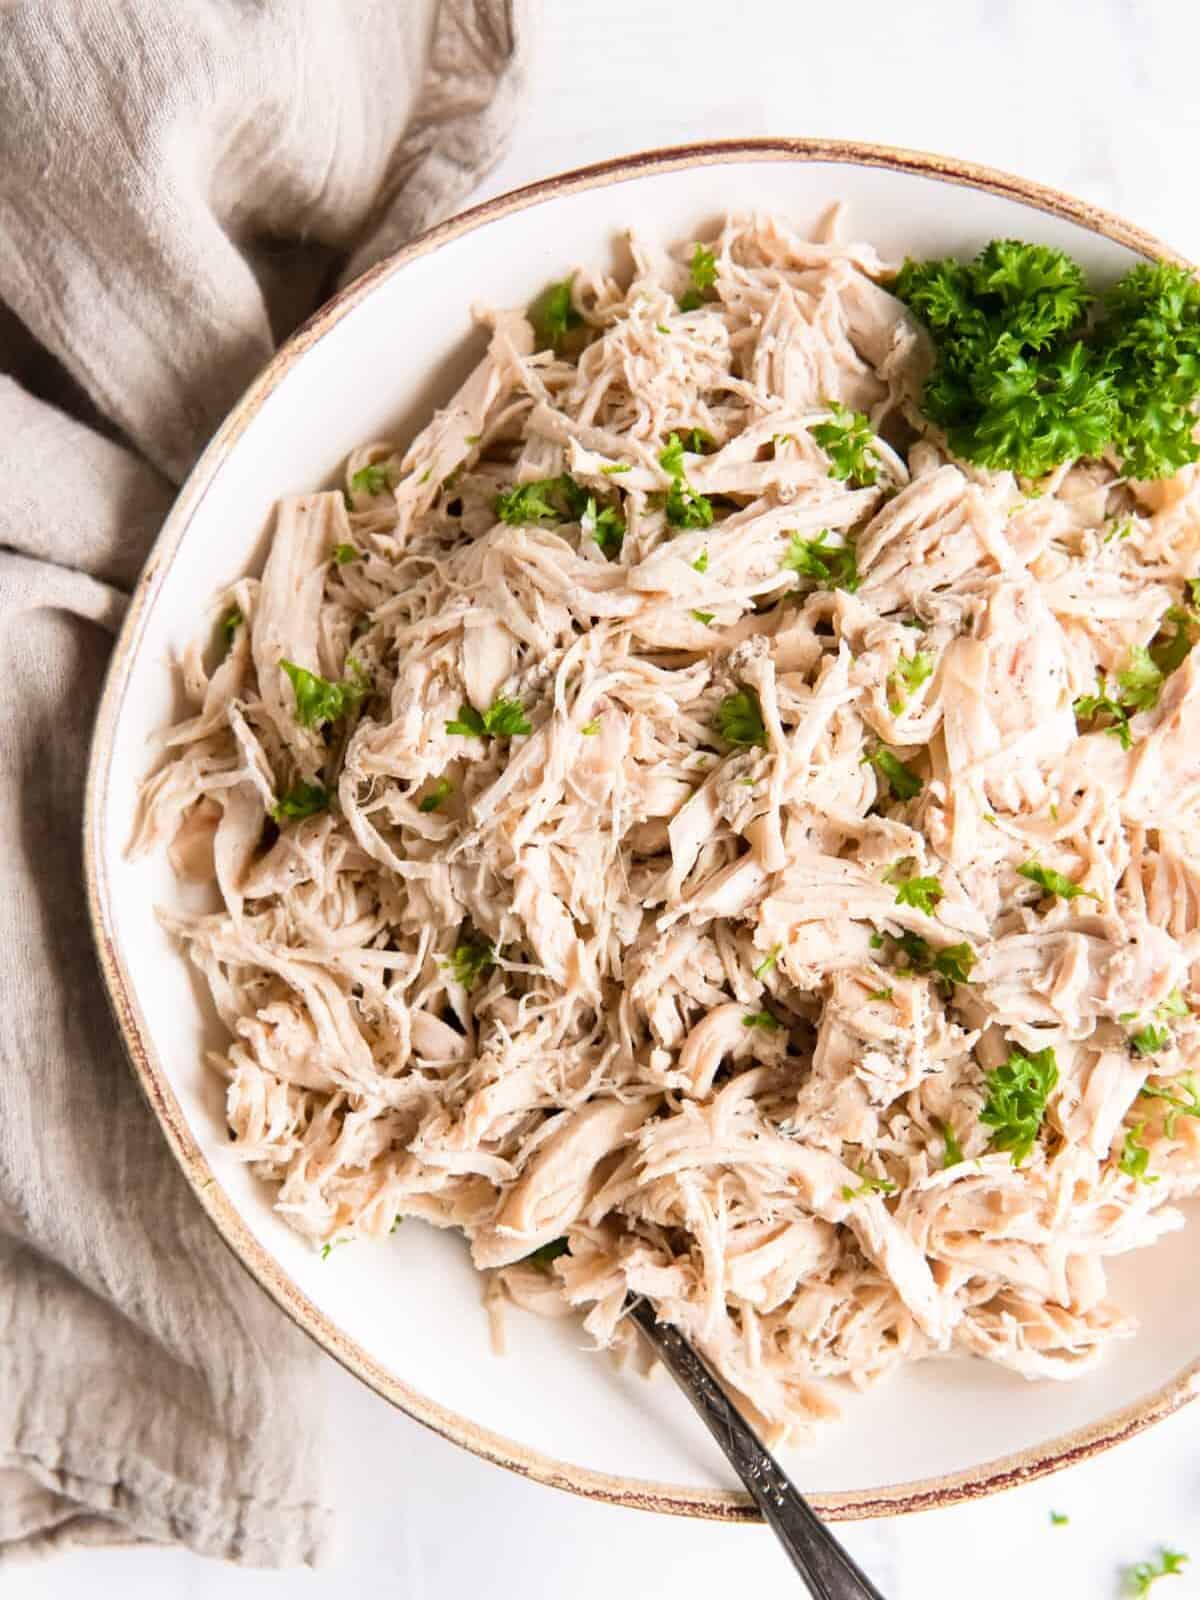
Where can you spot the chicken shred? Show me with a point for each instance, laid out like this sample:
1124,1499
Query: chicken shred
618,986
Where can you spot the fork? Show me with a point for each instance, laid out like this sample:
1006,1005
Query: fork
817,1556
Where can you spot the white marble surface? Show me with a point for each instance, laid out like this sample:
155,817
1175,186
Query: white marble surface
1097,98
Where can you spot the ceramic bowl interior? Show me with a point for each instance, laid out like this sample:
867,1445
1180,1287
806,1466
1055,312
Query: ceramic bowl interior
405,1314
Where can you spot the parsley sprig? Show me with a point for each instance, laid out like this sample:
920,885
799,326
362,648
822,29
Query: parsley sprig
1025,379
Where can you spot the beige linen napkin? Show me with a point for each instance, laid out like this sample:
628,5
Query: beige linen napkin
180,182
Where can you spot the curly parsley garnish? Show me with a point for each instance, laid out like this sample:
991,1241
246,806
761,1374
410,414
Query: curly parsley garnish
832,566
849,442
739,719
1025,380
504,719
1017,1093
303,800
317,700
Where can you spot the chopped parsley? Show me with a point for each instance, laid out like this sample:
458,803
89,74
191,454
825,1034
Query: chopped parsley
230,623
868,1184
701,562
1141,682
1101,704
1174,1006
762,1019
1186,1104
1053,883
684,507
1017,1093
1059,1519
1148,1041
768,961
704,275
303,800
436,796
504,719
832,566
606,527
911,671
470,959
591,729
923,893
1135,1158
546,1253
373,479
1145,1574
553,315
847,439
902,780
952,1152
704,616
1026,378
739,719
317,700
951,964
542,500
616,467
344,554
882,994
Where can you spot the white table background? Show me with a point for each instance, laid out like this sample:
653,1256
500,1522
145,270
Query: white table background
1094,96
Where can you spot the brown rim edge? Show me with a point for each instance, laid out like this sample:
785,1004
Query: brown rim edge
717,1504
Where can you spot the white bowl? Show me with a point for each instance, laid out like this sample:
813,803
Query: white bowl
405,1314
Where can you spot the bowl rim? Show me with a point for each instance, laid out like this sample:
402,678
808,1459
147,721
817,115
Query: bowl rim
712,1503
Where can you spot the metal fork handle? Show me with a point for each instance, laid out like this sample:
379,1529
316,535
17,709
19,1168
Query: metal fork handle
815,1553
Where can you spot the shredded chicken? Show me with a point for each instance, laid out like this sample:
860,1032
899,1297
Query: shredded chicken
620,982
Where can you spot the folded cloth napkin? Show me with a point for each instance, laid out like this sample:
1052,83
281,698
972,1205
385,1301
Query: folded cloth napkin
180,182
